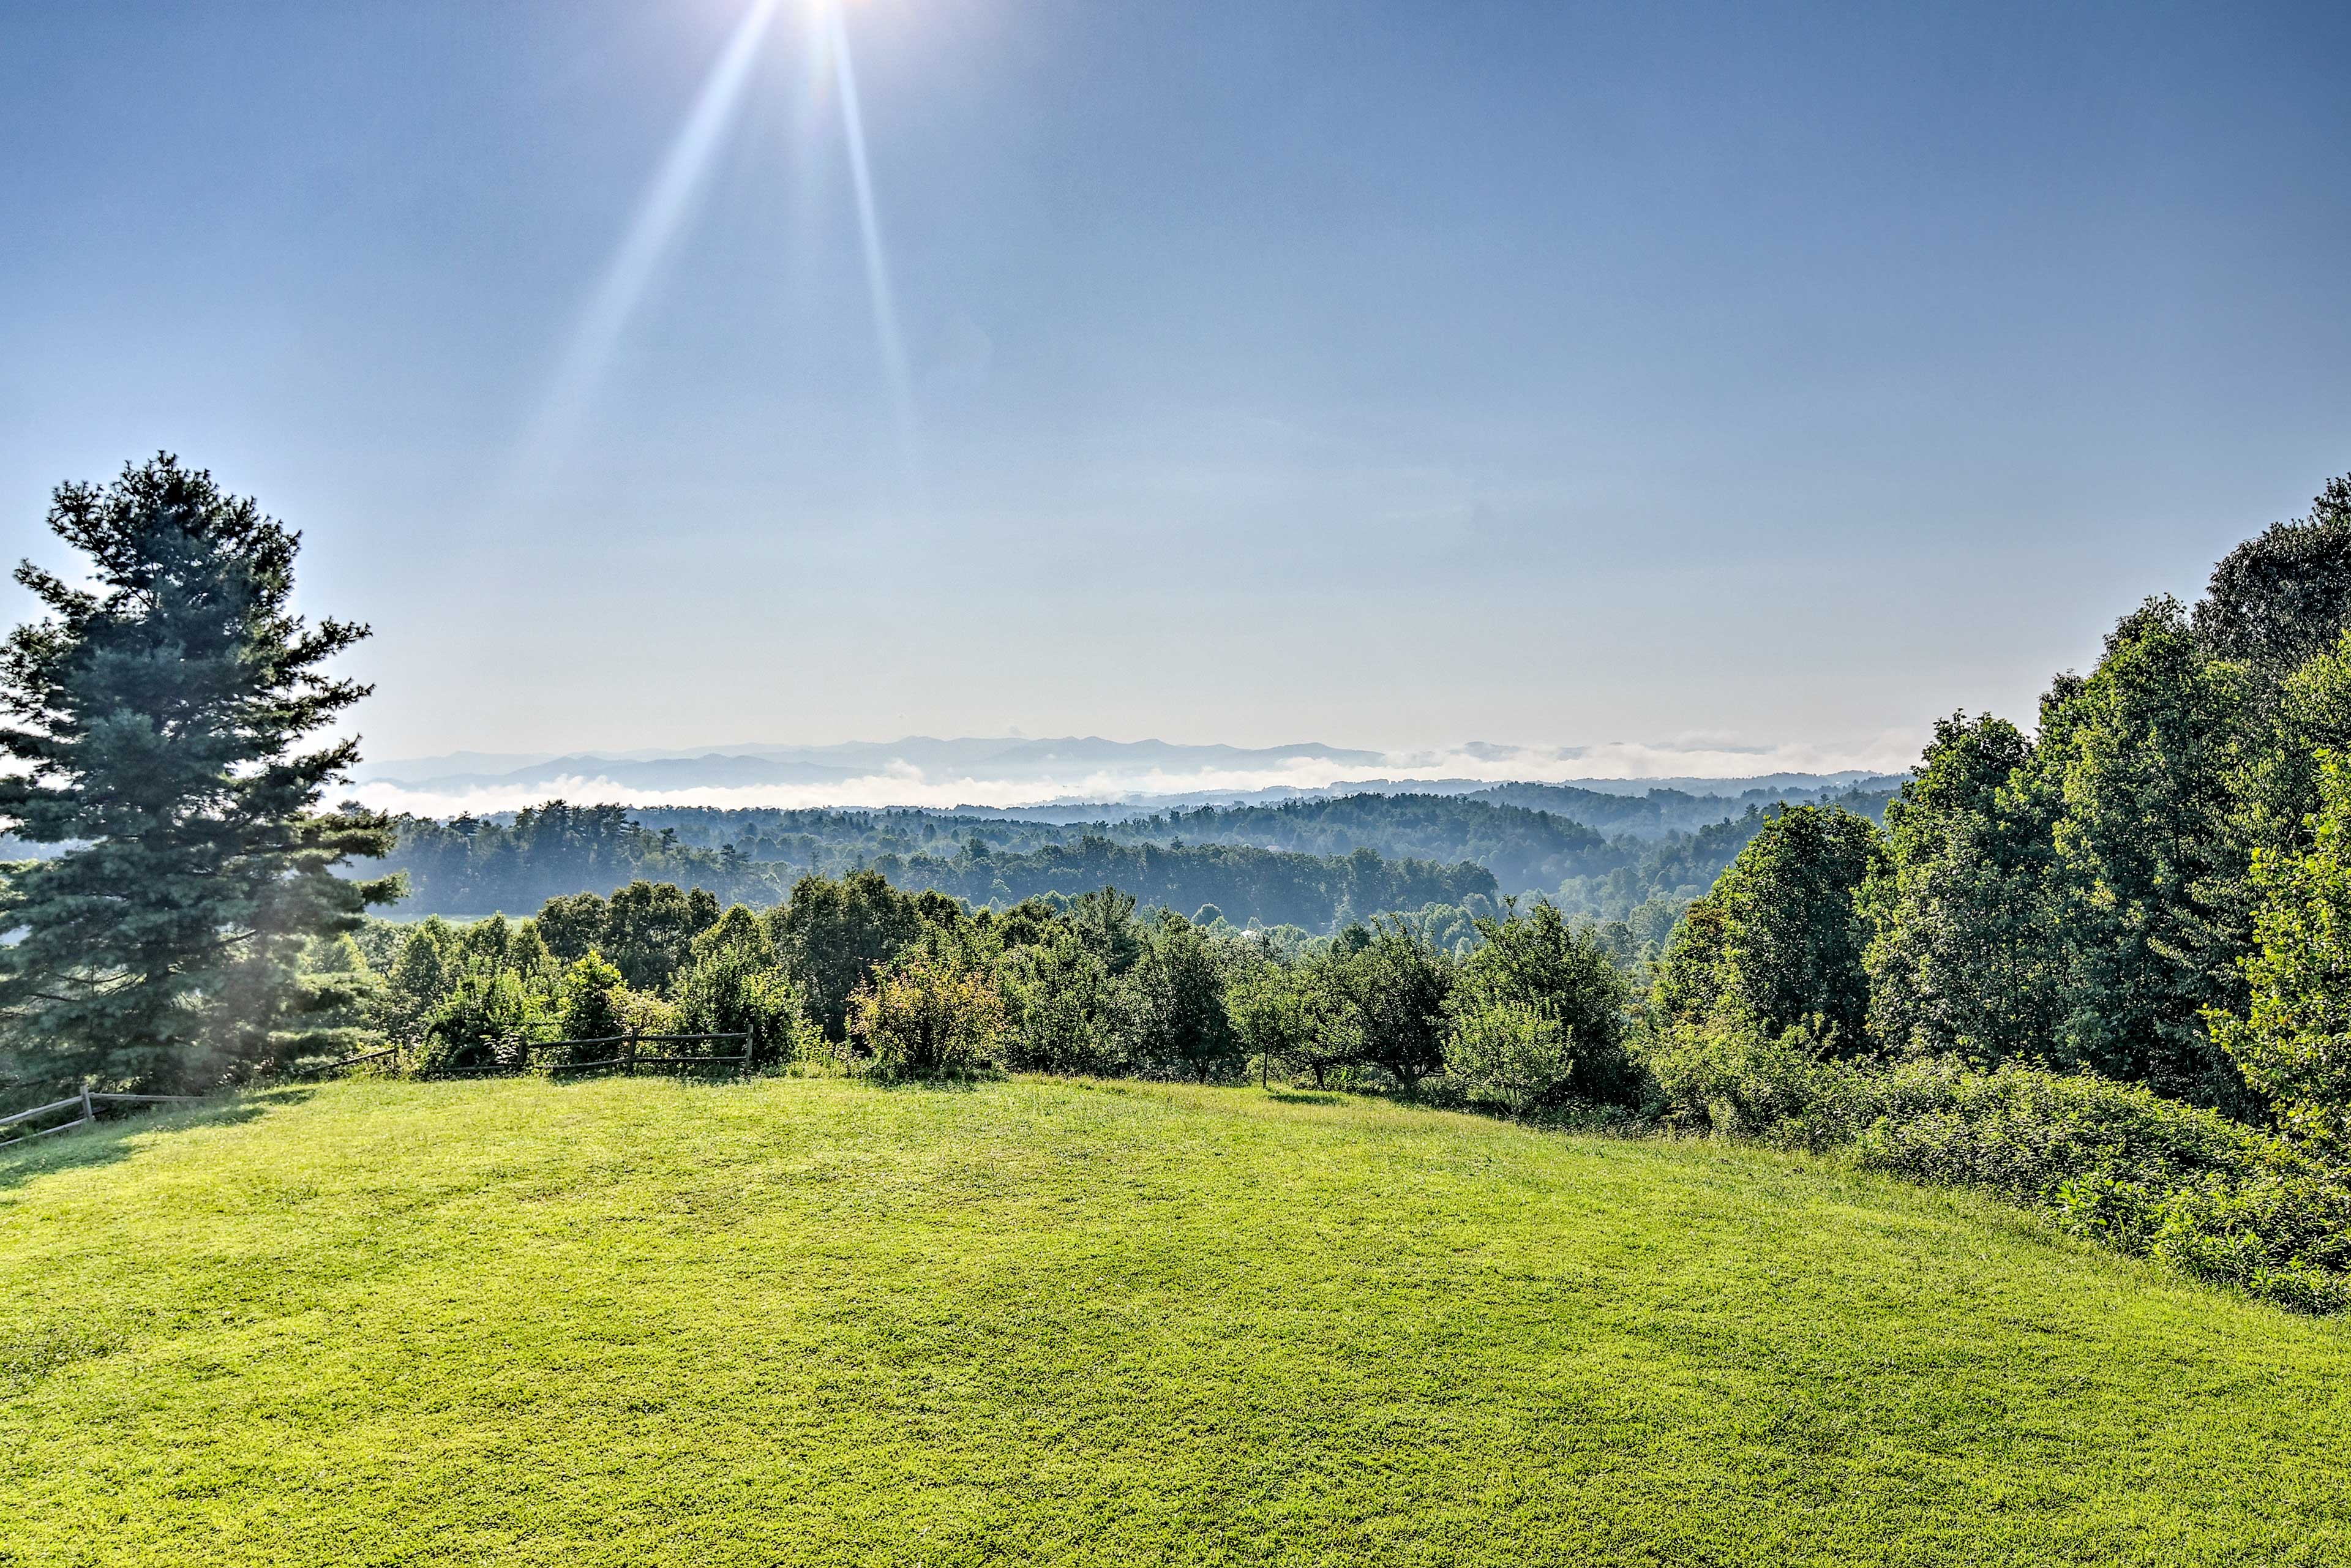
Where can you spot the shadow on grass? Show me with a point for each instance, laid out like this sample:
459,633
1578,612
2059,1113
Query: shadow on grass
926,1085
1305,1096
113,1137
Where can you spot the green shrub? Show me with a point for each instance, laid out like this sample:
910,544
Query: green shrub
1728,1074
1512,1053
2112,1162
925,1015
741,990
482,1023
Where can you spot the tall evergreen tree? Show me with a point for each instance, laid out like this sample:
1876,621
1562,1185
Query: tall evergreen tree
156,721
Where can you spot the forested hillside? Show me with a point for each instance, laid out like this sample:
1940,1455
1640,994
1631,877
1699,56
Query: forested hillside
1653,813
472,866
1643,875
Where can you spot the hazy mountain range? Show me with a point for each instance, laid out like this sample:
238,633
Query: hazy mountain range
1001,759
1018,775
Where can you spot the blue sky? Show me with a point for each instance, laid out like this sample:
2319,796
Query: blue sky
1386,375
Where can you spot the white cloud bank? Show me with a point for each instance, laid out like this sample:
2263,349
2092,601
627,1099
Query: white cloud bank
904,784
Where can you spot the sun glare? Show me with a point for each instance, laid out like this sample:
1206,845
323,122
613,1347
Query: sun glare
667,206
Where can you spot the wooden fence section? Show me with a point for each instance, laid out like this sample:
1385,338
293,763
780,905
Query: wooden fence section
626,1057
87,1102
628,1060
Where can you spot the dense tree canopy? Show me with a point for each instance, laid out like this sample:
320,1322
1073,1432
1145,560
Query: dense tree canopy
2283,598
1298,863
1781,937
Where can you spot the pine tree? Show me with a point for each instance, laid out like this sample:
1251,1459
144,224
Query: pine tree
154,718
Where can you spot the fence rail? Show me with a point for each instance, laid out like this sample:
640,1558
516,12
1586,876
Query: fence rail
87,1102
628,1060
635,1039
517,1057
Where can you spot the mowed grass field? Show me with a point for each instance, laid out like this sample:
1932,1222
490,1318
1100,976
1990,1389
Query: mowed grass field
816,1321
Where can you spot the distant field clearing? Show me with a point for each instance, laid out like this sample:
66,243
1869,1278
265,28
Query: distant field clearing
815,1322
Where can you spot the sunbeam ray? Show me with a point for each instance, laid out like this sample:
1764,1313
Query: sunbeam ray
869,226
660,217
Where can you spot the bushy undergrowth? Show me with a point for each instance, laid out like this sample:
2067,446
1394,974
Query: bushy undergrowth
2113,1162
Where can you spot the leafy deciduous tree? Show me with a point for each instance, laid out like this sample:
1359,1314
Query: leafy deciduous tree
1175,1009
1965,955
1779,935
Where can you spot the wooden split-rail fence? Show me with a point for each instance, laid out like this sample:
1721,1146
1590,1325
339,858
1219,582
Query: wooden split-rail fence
626,1056
86,1104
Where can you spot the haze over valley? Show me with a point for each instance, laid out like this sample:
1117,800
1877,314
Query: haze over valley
1013,771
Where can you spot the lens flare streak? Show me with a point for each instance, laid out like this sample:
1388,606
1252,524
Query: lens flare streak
869,224
660,218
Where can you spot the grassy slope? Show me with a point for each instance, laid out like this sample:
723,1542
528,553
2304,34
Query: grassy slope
813,1321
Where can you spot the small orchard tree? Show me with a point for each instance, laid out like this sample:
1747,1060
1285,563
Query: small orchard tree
1290,1014
157,718
1393,984
1176,1018
1537,1014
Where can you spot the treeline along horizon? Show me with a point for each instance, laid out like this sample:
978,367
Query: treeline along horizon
1299,862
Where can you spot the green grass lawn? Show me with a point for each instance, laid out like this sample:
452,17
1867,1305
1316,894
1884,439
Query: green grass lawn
816,1321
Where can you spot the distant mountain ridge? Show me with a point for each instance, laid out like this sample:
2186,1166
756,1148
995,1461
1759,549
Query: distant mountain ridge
1065,778
978,758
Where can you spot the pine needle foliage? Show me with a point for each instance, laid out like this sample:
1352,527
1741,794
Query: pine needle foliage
156,718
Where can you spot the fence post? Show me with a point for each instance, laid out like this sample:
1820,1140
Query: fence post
89,1111
629,1054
